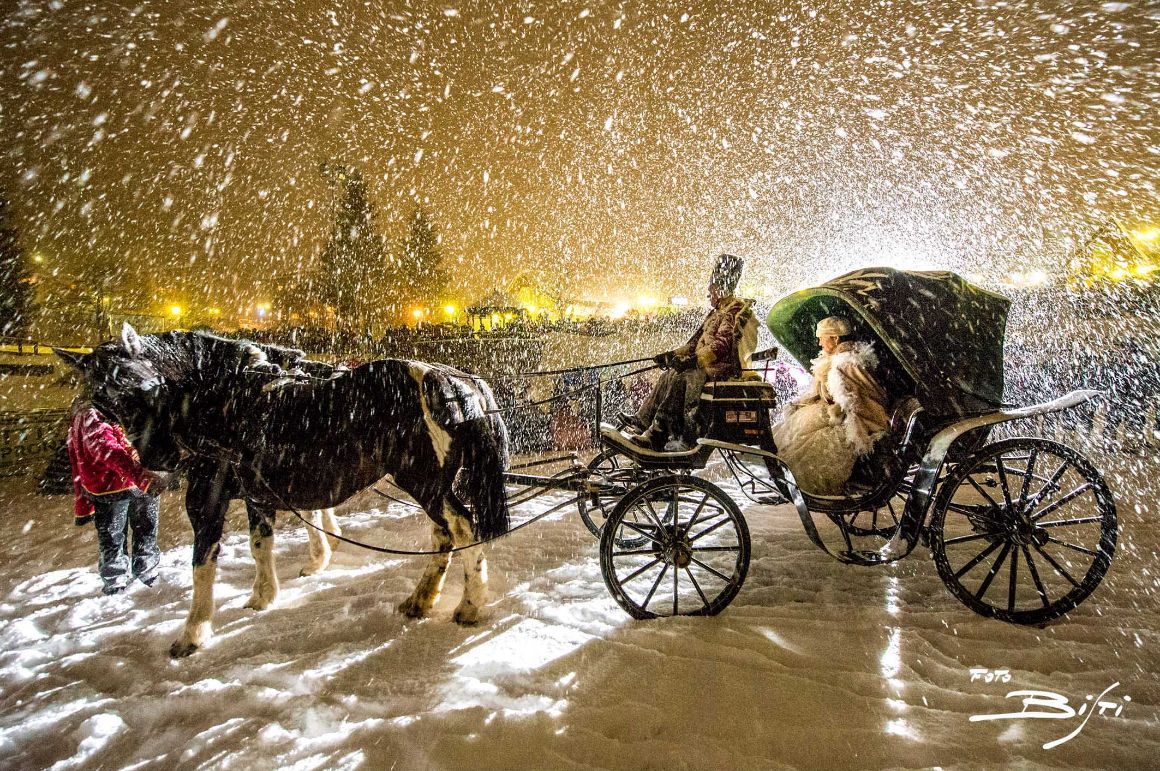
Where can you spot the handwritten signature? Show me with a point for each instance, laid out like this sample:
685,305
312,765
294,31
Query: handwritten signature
1049,705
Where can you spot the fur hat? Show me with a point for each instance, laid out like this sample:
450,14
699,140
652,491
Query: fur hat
832,325
727,272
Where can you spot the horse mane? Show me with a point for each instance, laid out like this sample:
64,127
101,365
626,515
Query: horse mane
184,355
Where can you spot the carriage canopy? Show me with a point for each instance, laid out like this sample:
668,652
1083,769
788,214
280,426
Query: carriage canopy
935,333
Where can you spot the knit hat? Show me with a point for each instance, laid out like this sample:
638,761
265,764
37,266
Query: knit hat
727,272
832,325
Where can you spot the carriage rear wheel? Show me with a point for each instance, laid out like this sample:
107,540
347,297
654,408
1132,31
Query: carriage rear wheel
688,553
1023,530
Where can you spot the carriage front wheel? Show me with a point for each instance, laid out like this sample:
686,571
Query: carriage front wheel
674,546
1023,530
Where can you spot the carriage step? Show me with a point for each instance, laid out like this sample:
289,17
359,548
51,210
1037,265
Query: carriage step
772,500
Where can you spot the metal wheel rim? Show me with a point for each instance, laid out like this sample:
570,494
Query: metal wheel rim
1031,544
693,561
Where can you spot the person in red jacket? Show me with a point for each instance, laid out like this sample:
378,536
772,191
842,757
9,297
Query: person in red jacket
113,491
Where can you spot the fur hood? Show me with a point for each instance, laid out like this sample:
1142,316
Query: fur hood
860,354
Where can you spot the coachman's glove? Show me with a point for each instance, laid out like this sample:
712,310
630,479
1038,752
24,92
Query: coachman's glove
683,363
664,360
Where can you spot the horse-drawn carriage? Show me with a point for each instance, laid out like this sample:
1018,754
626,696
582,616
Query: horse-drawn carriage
1022,529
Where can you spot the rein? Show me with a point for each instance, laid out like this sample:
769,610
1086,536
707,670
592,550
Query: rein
569,394
383,549
426,552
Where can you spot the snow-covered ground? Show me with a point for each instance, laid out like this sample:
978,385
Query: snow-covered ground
814,665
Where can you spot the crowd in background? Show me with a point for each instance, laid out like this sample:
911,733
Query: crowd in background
1125,418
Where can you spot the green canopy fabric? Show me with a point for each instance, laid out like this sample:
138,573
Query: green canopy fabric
937,336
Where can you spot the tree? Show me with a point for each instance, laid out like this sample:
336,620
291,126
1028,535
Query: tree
16,299
419,273
350,274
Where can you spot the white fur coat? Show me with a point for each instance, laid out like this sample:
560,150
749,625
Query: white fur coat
840,417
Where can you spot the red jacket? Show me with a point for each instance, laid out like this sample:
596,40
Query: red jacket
102,460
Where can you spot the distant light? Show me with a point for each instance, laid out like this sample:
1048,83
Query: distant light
215,311
417,313
175,310
261,311
449,310
1144,270
678,300
1151,234
646,301
38,258
620,310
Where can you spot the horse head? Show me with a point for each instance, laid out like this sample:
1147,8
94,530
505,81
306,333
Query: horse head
130,381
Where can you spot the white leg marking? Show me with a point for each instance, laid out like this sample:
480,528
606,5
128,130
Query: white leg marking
265,578
440,439
199,624
319,544
431,583
332,526
474,570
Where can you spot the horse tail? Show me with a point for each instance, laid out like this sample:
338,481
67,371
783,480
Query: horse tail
485,458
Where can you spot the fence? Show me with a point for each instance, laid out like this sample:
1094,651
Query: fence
29,438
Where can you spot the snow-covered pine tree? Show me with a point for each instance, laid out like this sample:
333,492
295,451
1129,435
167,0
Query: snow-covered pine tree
351,266
418,271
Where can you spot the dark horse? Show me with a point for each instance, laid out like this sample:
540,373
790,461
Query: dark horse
221,410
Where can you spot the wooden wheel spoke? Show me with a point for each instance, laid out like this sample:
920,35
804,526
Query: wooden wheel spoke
1058,568
697,586
1073,547
893,516
1062,501
633,553
1028,473
1003,482
652,591
1050,486
993,572
645,533
724,521
1059,522
718,548
1013,584
638,571
983,492
978,558
974,512
971,537
712,570
1035,576
697,512
676,591
653,514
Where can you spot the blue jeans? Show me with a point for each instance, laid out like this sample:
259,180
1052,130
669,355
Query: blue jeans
115,515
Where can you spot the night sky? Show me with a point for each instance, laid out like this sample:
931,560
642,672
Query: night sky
615,146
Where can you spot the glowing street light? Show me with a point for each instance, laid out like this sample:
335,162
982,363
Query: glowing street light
176,310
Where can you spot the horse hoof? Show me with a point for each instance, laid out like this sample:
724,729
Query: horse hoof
411,609
257,603
181,648
466,616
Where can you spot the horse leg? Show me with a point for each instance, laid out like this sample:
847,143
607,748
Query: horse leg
206,500
474,565
262,548
431,583
321,545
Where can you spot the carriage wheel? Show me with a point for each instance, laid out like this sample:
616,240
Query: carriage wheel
692,552
613,467
1023,530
